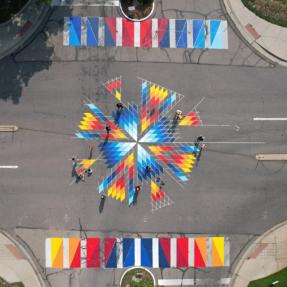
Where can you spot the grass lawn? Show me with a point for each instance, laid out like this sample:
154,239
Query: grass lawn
281,276
3,283
274,11
8,8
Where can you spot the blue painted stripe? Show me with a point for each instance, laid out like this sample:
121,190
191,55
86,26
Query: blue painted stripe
112,261
216,34
181,33
165,42
128,252
146,252
92,31
198,34
163,262
109,41
75,31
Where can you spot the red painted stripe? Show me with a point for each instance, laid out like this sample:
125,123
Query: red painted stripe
163,158
165,245
93,253
111,22
162,25
76,262
146,33
128,33
198,260
182,252
108,247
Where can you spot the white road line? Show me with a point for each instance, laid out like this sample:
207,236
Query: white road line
191,282
223,142
85,3
9,166
269,119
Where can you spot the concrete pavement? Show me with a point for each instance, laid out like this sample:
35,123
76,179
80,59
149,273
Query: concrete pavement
270,40
265,256
17,264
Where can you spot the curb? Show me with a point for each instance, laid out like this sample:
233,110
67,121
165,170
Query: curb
30,34
249,248
240,31
22,245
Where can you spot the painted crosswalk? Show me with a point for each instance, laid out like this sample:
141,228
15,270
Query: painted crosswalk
182,252
152,33
89,3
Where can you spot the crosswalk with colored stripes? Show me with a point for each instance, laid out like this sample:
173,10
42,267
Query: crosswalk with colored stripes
182,252
152,33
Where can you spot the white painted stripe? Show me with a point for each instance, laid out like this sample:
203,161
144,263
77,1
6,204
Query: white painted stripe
137,252
226,252
173,252
119,32
208,251
224,34
137,34
226,142
85,3
189,34
172,33
84,31
192,282
269,119
154,33
9,166
66,253
120,253
48,252
191,252
101,31
66,34
225,281
207,33
155,258
83,253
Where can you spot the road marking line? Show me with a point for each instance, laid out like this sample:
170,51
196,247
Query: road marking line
191,282
83,3
271,157
269,119
9,166
224,142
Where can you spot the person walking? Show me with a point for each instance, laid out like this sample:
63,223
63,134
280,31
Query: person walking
108,129
120,106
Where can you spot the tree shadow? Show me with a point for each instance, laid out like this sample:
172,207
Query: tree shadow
17,69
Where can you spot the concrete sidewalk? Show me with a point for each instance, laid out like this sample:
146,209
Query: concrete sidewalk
265,256
16,264
268,39
16,32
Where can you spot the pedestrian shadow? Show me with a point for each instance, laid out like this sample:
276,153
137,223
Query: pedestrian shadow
102,204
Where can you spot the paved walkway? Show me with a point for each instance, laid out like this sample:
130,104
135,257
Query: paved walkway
16,264
269,39
265,256
15,33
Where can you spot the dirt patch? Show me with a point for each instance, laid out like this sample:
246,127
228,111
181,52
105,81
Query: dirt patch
274,11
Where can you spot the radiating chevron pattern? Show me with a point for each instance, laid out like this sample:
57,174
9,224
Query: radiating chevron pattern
163,252
152,33
140,144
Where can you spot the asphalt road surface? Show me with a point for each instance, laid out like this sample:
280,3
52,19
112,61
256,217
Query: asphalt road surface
229,193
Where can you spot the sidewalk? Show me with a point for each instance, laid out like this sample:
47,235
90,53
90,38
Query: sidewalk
268,39
265,256
16,264
15,32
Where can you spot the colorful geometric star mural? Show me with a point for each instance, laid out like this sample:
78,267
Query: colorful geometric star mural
140,144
